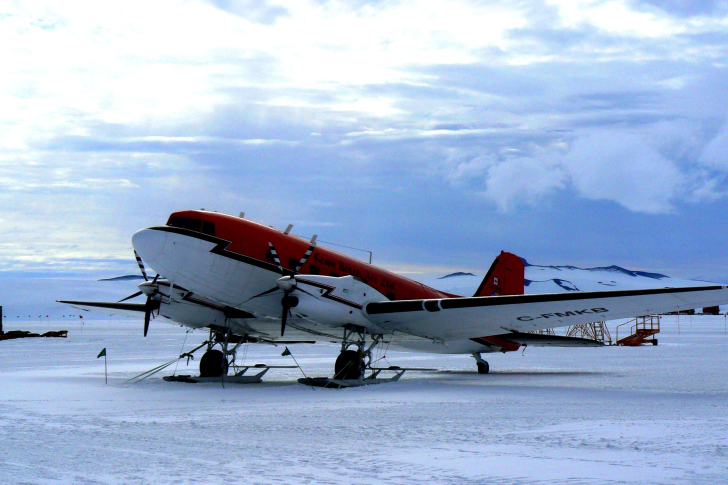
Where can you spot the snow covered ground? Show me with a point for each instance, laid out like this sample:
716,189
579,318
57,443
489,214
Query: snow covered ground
605,416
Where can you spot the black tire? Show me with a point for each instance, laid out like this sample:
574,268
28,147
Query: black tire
211,364
483,368
654,341
348,365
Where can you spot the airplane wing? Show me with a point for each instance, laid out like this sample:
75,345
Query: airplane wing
463,318
109,308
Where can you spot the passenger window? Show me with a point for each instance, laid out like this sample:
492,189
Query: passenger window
314,270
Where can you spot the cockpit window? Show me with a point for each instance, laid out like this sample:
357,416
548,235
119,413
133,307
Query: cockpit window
205,227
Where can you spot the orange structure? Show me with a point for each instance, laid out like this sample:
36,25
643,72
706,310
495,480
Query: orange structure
642,331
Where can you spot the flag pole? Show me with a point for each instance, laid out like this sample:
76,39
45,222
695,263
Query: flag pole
103,354
288,352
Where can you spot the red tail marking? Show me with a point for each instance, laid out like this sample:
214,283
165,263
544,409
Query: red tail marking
505,276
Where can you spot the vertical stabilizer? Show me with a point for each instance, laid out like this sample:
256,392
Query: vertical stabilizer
505,276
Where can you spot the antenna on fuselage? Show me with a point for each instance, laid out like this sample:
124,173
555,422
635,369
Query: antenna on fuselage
288,229
242,215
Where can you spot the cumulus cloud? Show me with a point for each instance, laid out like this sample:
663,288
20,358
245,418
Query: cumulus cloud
623,168
523,180
715,153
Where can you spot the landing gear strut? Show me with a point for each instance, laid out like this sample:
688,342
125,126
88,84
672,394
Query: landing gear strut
351,363
215,363
483,367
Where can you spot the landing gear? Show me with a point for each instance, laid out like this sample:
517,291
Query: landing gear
483,367
215,363
212,364
354,360
350,364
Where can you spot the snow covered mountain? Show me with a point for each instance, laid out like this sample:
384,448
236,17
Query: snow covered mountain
559,279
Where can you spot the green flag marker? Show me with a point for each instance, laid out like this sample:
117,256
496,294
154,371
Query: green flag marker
285,352
103,353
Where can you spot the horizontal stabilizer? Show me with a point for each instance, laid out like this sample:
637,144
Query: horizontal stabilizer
541,340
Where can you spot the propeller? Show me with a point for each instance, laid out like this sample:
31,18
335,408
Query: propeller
152,303
287,283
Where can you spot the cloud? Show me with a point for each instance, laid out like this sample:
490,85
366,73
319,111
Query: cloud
715,153
523,180
622,167
438,120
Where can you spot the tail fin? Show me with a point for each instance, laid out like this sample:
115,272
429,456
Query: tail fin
505,276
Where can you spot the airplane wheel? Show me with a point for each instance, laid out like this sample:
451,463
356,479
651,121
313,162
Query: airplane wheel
654,341
211,364
483,367
348,365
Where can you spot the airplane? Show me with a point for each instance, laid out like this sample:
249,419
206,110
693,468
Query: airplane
250,282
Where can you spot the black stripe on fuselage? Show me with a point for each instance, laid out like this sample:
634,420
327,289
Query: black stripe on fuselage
484,301
221,248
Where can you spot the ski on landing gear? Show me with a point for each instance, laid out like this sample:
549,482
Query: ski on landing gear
354,361
215,364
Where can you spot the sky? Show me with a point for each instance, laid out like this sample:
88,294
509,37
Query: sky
435,134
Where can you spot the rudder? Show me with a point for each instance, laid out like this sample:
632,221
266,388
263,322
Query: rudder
506,276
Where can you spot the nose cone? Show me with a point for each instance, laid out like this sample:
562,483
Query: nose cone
149,243
149,288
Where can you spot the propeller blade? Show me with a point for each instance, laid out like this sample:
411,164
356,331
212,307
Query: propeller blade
130,296
276,260
141,266
147,314
306,255
150,305
283,320
266,292
287,302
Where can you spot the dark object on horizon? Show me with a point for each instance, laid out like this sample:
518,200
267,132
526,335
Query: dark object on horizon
711,310
13,334
459,273
1,320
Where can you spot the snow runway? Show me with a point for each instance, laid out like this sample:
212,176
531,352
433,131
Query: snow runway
609,415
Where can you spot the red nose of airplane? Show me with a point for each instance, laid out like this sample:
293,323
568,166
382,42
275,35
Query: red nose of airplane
149,243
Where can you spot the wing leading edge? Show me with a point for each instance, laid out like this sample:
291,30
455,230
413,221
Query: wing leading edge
458,318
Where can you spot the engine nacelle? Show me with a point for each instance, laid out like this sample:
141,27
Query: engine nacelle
335,301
